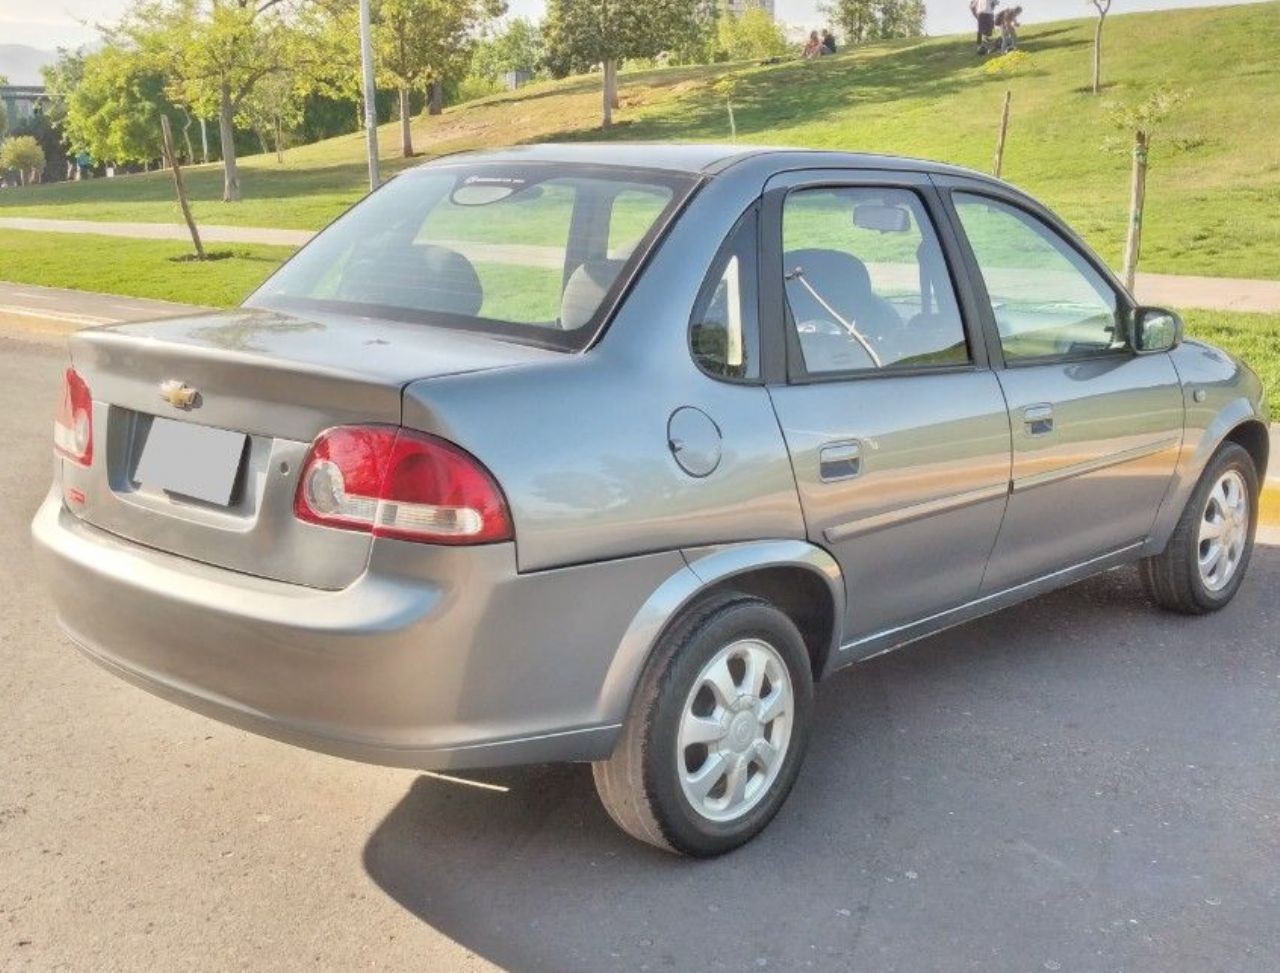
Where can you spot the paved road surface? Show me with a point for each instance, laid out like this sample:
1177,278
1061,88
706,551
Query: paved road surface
1212,293
1077,784
54,311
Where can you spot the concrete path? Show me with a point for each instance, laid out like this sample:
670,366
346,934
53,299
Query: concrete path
1208,293
161,231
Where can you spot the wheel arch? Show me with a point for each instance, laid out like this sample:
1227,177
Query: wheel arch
1253,436
803,580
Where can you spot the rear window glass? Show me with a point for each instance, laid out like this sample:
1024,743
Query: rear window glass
534,252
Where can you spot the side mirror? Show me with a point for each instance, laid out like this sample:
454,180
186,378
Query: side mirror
1155,329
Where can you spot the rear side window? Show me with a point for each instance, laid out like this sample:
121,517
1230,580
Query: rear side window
536,251
724,331
867,283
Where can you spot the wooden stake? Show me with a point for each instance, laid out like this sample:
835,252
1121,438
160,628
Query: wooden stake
178,185
1004,129
1137,200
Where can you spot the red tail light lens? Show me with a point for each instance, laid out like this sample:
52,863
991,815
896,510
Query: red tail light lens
73,425
403,484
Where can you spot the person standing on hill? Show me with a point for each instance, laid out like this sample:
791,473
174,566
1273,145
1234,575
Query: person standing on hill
985,12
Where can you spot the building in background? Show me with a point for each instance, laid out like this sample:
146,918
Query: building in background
22,102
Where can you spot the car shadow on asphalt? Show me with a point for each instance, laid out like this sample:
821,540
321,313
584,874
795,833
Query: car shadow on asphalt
956,762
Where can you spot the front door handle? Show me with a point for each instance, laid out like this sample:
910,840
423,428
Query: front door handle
1038,419
839,461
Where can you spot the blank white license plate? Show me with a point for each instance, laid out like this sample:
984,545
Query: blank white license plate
194,461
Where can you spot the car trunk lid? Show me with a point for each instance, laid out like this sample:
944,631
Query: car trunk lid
218,411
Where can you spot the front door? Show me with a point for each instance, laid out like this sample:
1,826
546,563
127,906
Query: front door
1096,427
897,428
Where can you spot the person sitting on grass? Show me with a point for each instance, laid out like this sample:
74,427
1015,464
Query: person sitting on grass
1007,21
813,49
828,42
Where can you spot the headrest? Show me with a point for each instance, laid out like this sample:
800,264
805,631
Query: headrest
829,266
585,291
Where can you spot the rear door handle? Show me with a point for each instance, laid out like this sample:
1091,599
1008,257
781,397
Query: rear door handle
1038,419
839,461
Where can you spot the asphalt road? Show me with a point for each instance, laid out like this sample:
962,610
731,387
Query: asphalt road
1077,784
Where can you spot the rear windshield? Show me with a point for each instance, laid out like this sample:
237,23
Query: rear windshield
534,252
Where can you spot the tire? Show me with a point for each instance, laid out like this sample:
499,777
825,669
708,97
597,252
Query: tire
646,784
1174,579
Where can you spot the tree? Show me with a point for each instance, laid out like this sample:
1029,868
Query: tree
870,20
113,110
216,52
1103,7
23,154
583,33
421,42
1139,120
516,47
751,35
274,107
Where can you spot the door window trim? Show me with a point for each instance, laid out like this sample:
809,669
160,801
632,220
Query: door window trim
729,249
775,311
947,187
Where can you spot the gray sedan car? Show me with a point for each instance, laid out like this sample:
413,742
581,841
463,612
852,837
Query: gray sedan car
610,453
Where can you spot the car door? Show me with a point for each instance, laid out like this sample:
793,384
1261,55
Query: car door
1096,427
896,426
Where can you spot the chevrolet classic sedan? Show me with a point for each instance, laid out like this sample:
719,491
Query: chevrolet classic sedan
610,453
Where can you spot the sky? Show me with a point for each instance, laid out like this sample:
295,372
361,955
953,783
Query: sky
48,24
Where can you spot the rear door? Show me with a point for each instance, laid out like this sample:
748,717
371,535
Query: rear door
897,427
1096,427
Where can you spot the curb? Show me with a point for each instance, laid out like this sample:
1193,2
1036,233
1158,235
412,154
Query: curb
1269,503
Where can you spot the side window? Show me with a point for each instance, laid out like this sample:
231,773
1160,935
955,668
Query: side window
724,330
867,283
1047,300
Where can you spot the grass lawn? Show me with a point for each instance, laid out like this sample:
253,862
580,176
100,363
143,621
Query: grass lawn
138,268
1214,190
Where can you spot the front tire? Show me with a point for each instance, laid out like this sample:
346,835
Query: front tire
716,731
1205,562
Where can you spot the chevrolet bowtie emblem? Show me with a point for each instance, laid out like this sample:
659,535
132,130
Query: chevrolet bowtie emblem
178,394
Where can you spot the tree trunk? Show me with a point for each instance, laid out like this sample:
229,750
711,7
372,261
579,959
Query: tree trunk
227,132
279,142
1137,200
179,187
204,143
1004,130
1097,56
406,129
609,92
262,141
435,98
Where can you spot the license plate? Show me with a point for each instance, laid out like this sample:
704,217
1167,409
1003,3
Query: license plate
194,461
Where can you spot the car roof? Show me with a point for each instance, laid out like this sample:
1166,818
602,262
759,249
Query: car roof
707,159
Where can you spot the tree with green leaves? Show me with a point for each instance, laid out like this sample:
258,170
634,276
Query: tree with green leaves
113,109
22,154
870,20
215,53
751,35
583,33
517,47
423,42
1139,120
274,108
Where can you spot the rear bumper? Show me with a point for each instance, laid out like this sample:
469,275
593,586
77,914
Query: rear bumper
434,658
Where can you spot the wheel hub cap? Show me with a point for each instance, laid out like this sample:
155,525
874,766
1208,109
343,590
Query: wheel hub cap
734,730
1224,531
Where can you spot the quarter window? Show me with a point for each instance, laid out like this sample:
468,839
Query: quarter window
1048,301
867,283
724,330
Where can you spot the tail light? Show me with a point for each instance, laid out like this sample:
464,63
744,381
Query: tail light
73,425
397,483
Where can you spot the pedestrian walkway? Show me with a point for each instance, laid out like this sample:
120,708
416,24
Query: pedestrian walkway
53,312
1205,293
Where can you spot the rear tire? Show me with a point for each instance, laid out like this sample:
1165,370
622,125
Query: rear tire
1207,557
716,732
